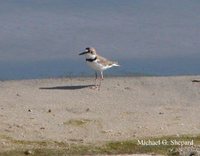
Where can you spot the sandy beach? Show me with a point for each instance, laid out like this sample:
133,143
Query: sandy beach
68,110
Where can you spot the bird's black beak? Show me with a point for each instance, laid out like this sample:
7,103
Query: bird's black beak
85,52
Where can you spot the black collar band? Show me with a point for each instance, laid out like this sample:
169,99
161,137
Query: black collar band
91,60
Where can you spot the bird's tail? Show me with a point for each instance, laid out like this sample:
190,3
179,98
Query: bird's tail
116,64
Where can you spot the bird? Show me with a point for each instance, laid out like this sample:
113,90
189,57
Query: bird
98,63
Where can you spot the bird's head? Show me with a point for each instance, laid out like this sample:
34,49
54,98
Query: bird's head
89,53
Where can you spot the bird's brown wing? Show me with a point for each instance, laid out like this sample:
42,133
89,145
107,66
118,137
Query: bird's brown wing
104,61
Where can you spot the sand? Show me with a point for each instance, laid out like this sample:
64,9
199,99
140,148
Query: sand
125,108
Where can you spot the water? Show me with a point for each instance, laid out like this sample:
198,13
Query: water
71,68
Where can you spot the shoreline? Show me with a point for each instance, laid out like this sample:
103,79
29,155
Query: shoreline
105,77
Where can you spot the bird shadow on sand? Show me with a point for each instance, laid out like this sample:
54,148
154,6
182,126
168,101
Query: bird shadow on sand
75,87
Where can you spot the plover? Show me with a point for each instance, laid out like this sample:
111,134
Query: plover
98,63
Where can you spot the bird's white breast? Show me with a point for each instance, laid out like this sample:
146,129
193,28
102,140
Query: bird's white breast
97,66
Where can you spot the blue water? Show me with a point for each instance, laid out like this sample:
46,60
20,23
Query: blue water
70,68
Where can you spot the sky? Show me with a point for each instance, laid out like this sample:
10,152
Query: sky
42,30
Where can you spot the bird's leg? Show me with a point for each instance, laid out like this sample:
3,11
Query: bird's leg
96,85
96,79
100,79
101,75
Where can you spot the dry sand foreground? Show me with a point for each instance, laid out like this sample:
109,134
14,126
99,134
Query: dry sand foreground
125,108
